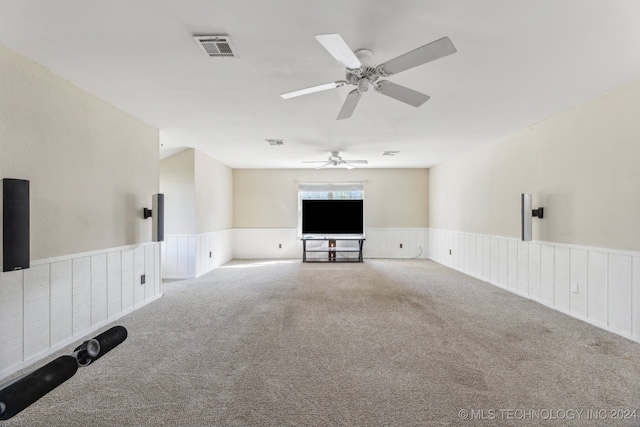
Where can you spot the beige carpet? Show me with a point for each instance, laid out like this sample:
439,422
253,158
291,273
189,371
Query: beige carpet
384,343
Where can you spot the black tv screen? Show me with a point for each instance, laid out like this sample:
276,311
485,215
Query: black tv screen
332,217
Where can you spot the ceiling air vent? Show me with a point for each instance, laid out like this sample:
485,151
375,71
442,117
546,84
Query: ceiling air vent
390,153
275,141
216,46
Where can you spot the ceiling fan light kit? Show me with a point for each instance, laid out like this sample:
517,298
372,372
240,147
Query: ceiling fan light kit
362,72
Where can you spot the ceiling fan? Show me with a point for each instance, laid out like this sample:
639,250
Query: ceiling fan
362,72
335,160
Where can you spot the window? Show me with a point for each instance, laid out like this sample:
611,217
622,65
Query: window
327,191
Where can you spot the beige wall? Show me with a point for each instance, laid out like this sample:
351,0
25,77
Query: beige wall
177,183
582,165
198,193
91,167
267,198
213,194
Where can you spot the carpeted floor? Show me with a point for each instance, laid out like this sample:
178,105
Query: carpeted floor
383,343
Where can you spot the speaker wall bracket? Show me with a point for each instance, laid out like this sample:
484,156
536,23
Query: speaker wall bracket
147,213
538,213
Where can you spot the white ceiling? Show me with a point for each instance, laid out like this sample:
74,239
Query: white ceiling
518,62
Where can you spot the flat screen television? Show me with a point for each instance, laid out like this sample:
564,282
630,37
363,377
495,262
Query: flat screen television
332,217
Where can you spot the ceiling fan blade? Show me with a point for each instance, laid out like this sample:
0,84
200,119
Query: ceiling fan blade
357,162
422,55
401,93
313,89
349,105
316,161
325,165
347,165
339,49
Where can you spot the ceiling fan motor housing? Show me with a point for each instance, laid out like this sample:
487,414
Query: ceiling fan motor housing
366,74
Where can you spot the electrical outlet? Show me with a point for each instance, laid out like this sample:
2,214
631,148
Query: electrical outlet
574,287
400,245
142,279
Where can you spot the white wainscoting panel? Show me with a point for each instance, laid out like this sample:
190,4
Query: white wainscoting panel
512,265
578,298
175,259
266,243
61,301
486,258
376,244
523,268
561,278
138,271
12,319
58,301
619,293
535,271
547,268
495,260
600,286
36,309
114,283
99,302
385,243
157,278
597,281
170,256
127,280
187,256
81,279
471,254
635,299
212,250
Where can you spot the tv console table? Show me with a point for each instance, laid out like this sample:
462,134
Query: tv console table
332,248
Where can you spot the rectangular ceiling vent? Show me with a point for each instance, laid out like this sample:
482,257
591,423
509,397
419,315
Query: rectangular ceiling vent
390,153
275,142
219,46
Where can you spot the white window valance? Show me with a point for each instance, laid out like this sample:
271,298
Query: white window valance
330,186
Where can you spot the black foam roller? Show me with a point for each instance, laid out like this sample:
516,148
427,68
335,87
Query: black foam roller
109,339
20,394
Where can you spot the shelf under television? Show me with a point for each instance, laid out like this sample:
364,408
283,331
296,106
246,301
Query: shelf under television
333,250
341,249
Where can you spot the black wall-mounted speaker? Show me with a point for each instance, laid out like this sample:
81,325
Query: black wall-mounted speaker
527,215
15,224
158,217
